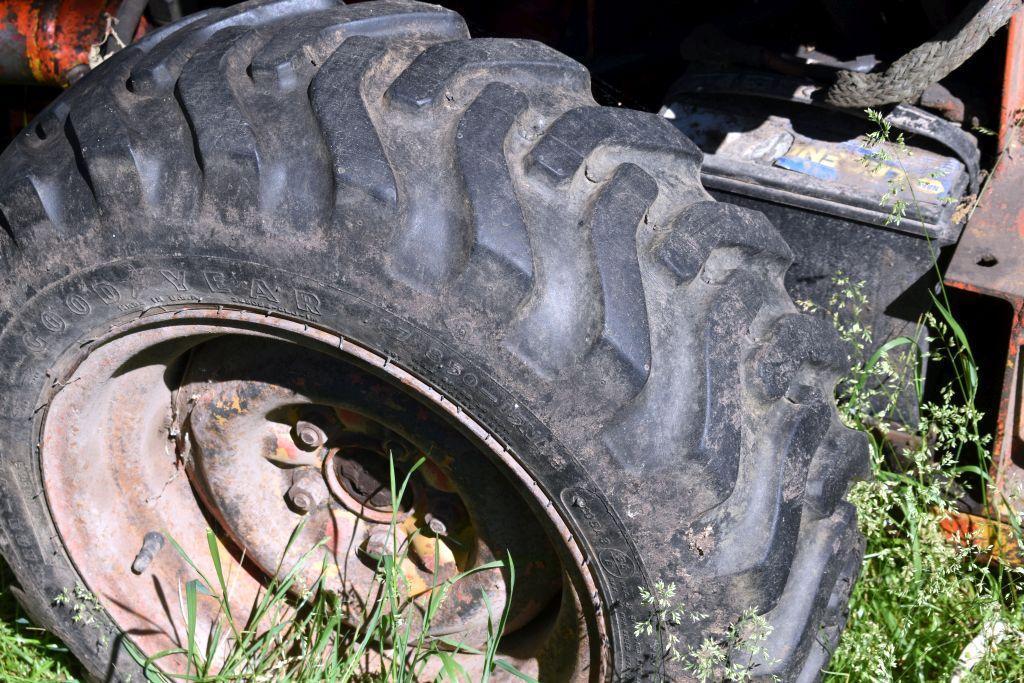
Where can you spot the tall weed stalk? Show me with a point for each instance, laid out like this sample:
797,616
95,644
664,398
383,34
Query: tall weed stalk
297,633
925,609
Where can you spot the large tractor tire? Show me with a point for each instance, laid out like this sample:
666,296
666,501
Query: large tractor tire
355,229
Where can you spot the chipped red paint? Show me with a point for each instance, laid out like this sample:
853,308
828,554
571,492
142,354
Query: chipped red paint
1013,81
990,261
44,39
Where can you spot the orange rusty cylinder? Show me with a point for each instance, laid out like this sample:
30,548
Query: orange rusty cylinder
42,40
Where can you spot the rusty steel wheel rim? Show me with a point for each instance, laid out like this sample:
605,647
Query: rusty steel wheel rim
280,436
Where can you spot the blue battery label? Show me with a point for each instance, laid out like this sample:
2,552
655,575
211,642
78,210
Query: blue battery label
854,165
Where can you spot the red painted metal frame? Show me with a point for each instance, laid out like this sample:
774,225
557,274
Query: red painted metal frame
1013,80
990,260
45,39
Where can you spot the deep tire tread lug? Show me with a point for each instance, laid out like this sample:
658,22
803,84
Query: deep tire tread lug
428,80
292,56
357,154
704,227
570,140
500,251
618,212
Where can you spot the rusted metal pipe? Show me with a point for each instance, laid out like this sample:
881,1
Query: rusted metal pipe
48,42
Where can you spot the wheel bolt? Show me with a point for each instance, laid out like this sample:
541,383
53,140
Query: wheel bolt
310,436
306,492
152,543
435,525
380,543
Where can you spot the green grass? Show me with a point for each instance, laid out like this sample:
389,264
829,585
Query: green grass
292,633
924,609
27,652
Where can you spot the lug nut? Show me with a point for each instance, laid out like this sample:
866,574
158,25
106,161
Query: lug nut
379,543
310,436
152,543
307,491
300,498
435,525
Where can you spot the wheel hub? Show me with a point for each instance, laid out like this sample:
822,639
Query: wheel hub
266,448
361,475
281,448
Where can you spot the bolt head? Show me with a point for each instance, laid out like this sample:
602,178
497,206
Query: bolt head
435,525
379,543
309,435
306,492
302,500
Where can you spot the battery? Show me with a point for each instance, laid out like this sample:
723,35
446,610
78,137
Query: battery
833,194
877,212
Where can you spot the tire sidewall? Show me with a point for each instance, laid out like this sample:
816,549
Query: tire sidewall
66,315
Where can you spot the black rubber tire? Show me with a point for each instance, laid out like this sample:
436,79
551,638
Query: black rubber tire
465,208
